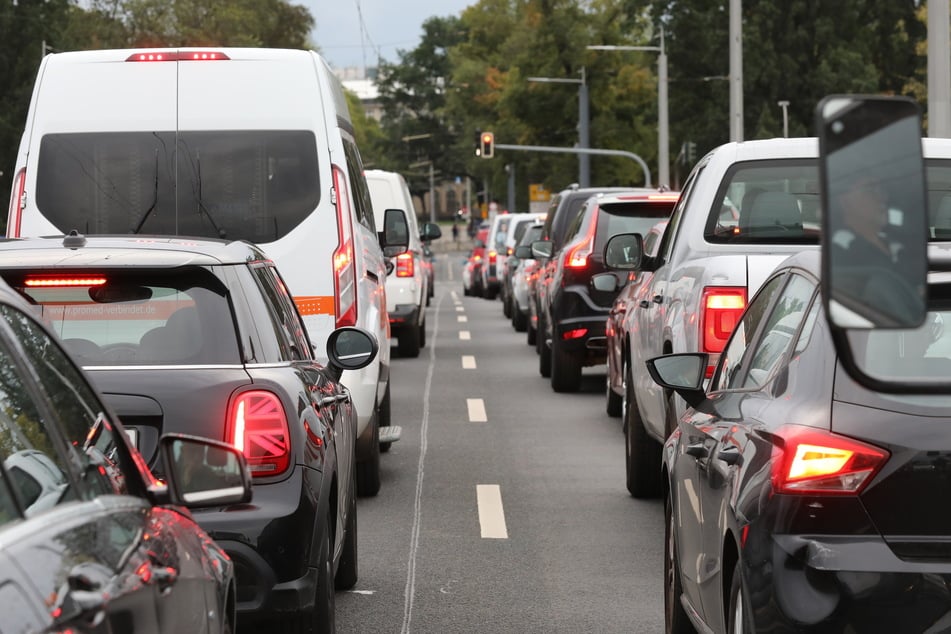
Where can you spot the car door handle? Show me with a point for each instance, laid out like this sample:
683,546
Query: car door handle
164,577
730,456
373,276
698,450
658,299
330,400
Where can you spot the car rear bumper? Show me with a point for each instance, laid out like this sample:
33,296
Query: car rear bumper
404,315
845,583
583,337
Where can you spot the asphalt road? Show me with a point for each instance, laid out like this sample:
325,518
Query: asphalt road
503,506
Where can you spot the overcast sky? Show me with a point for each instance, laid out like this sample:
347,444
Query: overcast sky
390,25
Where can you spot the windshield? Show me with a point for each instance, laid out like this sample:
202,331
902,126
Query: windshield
240,185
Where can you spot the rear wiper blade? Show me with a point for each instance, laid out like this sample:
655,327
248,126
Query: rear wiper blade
148,212
201,205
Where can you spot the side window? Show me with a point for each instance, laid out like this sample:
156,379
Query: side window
361,192
729,374
667,242
284,320
781,330
577,223
44,447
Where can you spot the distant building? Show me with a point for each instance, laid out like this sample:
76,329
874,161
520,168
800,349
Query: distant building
361,82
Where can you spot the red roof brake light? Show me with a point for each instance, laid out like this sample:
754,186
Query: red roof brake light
257,426
809,461
59,282
177,56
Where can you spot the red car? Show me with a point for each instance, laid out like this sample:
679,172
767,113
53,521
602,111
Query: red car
472,269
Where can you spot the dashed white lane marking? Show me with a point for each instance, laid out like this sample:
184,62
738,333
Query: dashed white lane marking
368,592
476,410
468,362
491,513
465,335
460,309
455,296
451,277
462,319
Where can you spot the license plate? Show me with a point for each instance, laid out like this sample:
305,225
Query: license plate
133,436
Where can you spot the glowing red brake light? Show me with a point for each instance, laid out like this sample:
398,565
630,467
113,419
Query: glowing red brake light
404,265
808,461
257,426
345,281
720,310
577,256
177,56
47,282
15,213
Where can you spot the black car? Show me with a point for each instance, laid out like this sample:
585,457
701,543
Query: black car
798,500
202,337
573,311
90,540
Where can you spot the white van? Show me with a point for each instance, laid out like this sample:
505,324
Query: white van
407,285
240,144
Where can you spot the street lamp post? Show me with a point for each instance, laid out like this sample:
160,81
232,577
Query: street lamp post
663,132
432,189
784,104
584,139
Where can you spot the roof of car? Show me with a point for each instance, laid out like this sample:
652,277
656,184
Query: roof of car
124,251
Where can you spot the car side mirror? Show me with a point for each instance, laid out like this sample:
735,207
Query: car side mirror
624,252
605,282
542,249
350,348
203,473
431,231
394,239
523,252
682,373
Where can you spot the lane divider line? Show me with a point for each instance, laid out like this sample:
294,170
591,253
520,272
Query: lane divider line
465,335
460,309
476,407
468,362
462,319
491,512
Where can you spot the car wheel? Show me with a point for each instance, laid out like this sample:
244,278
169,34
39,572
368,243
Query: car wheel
519,319
368,471
739,616
613,405
642,454
565,368
544,356
319,619
506,306
409,342
347,568
675,618
384,416
531,334
422,333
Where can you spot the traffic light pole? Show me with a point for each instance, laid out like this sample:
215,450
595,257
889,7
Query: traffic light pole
583,151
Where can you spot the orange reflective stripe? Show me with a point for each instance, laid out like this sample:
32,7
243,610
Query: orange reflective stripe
315,305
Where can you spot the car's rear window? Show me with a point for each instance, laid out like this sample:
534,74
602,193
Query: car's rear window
254,185
774,201
630,217
135,318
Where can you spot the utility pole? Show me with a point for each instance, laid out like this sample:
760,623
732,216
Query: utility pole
584,137
510,170
736,70
784,104
939,76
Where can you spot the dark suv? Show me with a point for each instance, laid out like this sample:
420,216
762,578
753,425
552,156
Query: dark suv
563,209
201,337
574,310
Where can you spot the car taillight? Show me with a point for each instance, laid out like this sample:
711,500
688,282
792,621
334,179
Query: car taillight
257,426
808,461
404,265
492,256
720,310
345,281
17,202
177,56
577,256
574,334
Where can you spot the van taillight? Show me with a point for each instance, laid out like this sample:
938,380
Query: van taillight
257,426
808,461
177,56
404,265
17,203
720,310
345,281
492,255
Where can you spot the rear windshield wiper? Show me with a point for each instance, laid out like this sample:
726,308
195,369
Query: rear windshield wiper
201,205
151,208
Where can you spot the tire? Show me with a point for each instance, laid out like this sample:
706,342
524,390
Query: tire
519,319
739,617
320,619
613,399
409,342
368,471
675,618
506,306
422,334
565,368
347,568
531,335
544,358
384,416
642,456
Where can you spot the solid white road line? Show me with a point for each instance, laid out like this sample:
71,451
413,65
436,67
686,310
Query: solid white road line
462,319
465,335
468,362
460,309
476,410
491,513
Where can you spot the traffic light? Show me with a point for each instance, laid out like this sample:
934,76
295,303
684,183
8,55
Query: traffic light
477,139
487,145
